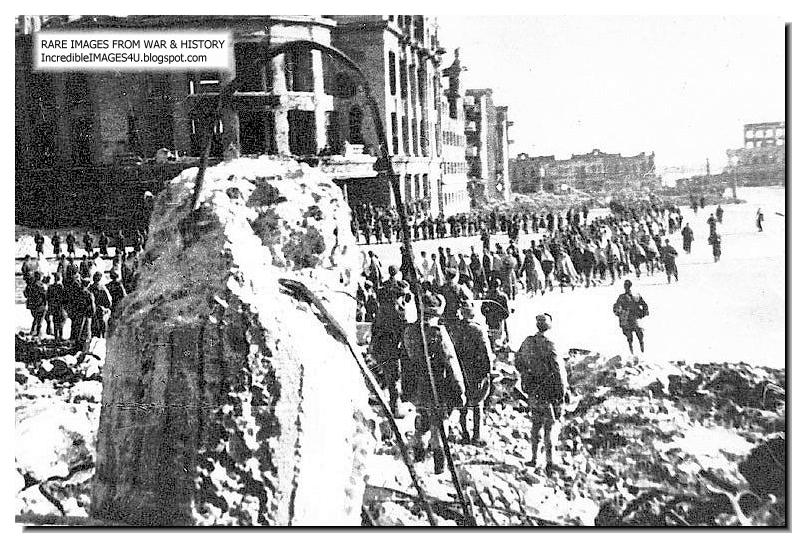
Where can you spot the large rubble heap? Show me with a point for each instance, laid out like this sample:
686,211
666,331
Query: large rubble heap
643,444
227,401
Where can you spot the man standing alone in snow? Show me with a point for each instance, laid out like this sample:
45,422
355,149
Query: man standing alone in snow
630,309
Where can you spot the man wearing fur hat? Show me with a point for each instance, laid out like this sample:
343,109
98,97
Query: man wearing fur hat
447,373
543,379
472,346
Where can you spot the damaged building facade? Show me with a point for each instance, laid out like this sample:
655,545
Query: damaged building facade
401,56
454,187
488,146
90,128
588,172
761,161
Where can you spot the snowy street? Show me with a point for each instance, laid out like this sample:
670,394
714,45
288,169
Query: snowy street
733,310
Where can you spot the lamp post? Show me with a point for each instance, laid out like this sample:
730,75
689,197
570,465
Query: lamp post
384,165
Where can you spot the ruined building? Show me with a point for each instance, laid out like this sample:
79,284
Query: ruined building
588,172
761,161
487,152
401,56
454,187
129,132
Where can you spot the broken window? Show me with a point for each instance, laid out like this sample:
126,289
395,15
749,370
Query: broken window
81,128
391,61
302,133
209,82
394,128
355,118
405,134
256,132
160,113
252,74
333,131
299,70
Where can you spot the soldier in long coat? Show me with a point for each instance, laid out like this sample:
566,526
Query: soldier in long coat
475,355
448,378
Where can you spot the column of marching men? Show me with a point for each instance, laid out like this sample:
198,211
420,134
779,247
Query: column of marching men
468,298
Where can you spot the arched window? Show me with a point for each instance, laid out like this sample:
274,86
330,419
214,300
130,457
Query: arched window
354,124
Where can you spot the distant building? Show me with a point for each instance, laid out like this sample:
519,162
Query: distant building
487,139
589,172
503,142
761,161
454,188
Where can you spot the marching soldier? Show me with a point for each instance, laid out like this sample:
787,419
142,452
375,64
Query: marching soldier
543,378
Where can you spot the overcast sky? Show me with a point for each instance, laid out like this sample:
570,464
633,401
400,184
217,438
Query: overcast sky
681,86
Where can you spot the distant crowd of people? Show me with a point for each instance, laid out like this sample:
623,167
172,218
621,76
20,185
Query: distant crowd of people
118,242
84,291
468,298
373,224
631,240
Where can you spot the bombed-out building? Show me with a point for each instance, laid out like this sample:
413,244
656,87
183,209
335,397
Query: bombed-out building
761,161
78,130
487,152
588,172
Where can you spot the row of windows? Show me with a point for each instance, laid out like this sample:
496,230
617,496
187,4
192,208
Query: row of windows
769,159
420,136
454,167
408,79
769,132
453,139
764,143
455,197
419,190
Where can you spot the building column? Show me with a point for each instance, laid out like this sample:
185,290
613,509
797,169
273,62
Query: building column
180,115
281,113
229,119
320,116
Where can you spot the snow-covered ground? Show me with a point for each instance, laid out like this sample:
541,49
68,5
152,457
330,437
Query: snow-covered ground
733,310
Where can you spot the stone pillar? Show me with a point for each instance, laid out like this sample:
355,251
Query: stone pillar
320,116
281,114
229,119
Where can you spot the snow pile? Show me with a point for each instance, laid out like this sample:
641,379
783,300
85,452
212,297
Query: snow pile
228,401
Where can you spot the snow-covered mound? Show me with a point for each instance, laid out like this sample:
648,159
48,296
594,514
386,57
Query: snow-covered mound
226,400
